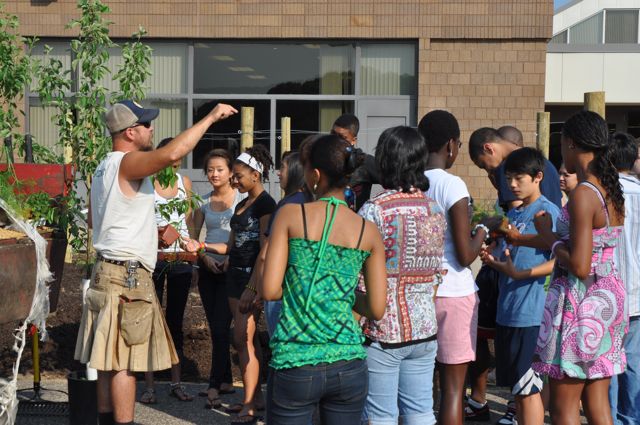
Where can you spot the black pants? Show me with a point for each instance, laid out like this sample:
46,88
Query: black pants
216,307
178,278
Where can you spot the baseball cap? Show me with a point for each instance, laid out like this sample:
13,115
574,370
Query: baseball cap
126,113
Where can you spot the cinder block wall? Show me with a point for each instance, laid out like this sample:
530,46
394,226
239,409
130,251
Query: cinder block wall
482,60
484,83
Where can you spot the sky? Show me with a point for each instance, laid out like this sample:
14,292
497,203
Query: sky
558,3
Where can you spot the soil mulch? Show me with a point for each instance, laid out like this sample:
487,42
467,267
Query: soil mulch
56,354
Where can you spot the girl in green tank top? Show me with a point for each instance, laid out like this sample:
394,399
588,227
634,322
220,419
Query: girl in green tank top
315,256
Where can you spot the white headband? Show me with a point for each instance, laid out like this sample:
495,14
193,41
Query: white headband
251,162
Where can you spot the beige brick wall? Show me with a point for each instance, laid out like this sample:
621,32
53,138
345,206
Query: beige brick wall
484,84
443,19
482,60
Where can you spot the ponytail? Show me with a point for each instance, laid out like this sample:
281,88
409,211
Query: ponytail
589,131
607,173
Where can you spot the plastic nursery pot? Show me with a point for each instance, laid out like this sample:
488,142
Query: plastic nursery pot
83,399
168,235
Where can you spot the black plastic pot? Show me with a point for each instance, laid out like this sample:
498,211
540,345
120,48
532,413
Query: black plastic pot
83,399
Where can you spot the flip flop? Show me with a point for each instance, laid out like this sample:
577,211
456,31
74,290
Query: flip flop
252,419
213,403
234,408
221,392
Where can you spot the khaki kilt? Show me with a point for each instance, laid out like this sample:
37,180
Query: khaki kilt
122,328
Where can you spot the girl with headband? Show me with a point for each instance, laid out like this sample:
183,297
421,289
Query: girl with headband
248,226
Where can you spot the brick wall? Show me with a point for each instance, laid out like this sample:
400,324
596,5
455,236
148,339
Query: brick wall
444,19
484,84
482,60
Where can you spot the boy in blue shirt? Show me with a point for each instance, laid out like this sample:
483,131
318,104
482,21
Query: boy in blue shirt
523,272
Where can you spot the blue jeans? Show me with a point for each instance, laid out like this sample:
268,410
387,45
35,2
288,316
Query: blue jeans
624,391
339,390
400,384
272,315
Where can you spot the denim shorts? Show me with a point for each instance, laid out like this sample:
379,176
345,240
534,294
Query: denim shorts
339,389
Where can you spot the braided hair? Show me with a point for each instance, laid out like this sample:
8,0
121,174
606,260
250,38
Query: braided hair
590,133
262,155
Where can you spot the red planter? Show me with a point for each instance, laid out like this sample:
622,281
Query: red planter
54,179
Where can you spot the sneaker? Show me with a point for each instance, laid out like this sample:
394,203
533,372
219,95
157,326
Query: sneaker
509,418
478,414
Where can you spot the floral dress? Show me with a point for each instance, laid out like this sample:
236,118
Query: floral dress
584,321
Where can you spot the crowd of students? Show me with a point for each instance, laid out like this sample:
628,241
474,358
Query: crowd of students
366,296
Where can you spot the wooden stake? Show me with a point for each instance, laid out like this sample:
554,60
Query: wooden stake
594,101
285,133
543,120
246,139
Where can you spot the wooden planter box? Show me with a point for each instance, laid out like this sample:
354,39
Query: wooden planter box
17,278
17,255
18,272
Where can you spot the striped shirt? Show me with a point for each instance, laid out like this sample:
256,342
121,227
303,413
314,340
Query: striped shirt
629,256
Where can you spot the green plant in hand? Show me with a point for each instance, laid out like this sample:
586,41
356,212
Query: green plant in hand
482,210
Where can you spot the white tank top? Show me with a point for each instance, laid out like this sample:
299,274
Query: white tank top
123,228
179,221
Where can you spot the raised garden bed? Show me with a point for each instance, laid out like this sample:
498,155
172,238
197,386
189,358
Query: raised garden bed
18,271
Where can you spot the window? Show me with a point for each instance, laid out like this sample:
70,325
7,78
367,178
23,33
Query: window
633,122
621,26
274,68
387,70
41,126
226,134
560,38
311,81
588,31
308,117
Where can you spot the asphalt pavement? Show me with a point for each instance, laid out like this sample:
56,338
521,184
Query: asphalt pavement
168,410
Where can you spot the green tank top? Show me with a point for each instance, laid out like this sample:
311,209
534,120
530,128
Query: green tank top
316,323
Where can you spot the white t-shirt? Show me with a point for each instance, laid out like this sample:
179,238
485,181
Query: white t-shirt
447,189
177,220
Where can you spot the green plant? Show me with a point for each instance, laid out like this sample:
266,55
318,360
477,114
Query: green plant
134,70
167,177
36,207
80,117
15,75
482,210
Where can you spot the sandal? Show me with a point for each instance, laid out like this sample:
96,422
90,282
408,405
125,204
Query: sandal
221,391
234,408
245,419
148,396
179,391
213,403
